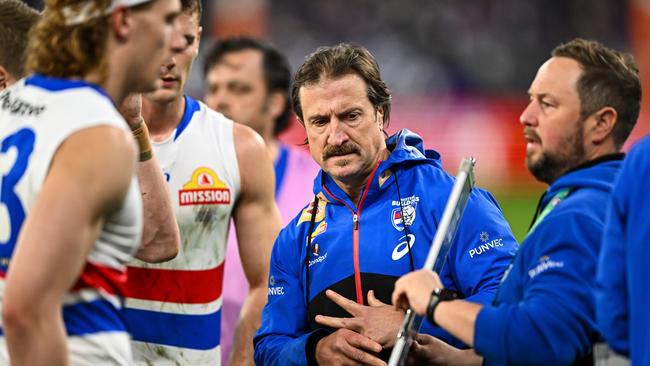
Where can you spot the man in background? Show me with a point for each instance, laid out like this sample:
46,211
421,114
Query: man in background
16,19
247,80
584,102
376,205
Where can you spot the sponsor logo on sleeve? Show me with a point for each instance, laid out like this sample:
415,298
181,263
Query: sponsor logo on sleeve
273,289
486,245
545,263
204,188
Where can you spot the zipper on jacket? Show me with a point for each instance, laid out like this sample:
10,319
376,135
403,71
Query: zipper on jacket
356,215
355,258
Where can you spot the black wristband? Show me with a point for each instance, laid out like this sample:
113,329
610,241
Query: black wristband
437,296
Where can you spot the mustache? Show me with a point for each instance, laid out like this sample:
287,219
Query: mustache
529,134
347,148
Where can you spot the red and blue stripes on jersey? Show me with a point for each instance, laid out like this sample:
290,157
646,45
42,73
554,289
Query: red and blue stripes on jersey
93,304
179,308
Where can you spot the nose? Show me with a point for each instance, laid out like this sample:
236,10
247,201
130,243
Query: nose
219,99
529,115
169,64
221,104
178,43
337,133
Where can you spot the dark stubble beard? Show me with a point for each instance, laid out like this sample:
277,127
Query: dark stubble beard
552,165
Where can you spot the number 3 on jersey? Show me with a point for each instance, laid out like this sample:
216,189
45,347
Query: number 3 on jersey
14,164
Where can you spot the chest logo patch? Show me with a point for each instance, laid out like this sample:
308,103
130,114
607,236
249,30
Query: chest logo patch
403,247
399,220
204,188
305,215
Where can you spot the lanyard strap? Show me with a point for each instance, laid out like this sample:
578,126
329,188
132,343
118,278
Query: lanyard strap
559,196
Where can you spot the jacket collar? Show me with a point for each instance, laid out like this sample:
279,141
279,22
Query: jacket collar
596,174
404,146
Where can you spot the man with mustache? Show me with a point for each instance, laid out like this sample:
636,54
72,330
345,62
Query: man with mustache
583,105
216,170
376,207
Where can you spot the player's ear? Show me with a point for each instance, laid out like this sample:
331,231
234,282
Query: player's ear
380,118
6,79
120,20
600,125
198,39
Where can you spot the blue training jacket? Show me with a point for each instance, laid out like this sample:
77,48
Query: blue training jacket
623,293
357,248
544,311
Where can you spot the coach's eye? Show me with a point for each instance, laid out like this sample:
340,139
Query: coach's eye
319,122
353,116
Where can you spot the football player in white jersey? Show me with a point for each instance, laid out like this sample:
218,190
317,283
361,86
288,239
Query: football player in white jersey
16,19
216,170
71,211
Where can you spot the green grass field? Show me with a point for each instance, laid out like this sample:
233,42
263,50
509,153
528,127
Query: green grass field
518,208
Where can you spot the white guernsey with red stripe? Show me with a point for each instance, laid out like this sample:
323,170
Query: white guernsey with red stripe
173,309
38,114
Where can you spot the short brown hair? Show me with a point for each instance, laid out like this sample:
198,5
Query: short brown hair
16,19
277,72
610,79
192,7
340,60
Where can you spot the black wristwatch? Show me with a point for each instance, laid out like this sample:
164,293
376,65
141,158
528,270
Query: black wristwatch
437,296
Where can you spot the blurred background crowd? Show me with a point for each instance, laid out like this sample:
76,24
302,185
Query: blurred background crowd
458,69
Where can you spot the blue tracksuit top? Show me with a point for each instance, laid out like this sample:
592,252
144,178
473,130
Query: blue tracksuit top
357,248
623,292
544,312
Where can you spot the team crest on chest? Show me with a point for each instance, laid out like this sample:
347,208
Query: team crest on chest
404,212
401,216
204,188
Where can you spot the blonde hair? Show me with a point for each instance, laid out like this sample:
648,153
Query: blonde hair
61,50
